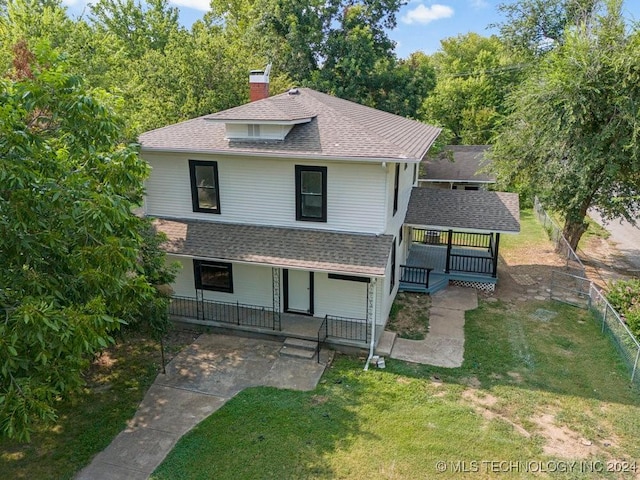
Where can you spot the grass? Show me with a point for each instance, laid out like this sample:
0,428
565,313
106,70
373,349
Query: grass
409,316
398,422
531,237
89,420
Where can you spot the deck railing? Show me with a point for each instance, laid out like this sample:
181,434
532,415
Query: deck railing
224,312
415,275
458,239
471,264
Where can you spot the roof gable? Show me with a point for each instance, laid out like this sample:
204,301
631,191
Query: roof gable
458,163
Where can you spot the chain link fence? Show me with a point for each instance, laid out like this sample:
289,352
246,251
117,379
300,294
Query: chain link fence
581,292
573,262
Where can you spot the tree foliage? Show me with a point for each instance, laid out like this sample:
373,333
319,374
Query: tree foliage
474,75
572,137
534,27
73,252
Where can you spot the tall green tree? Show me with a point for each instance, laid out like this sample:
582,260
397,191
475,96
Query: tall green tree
572,137
73,268
534,27
474,75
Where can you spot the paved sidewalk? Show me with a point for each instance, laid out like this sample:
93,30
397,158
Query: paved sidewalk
198,381
444,344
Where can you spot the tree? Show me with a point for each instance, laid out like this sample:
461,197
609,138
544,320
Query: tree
73,252
572,137
534,27
474,75
138,27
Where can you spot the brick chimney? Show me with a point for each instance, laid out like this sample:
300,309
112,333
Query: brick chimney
259,84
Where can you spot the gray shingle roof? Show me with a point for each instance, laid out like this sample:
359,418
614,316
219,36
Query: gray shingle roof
467,160
318,250
466,209
339,129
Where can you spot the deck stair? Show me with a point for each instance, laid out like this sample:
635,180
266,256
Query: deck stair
437,282
299,348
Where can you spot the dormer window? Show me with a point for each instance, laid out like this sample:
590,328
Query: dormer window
253,130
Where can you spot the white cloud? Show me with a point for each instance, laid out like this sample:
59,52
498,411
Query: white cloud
479,3
424,15
202,5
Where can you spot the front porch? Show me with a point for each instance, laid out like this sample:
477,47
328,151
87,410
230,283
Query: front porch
257,320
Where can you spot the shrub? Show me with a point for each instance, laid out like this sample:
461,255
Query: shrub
624,295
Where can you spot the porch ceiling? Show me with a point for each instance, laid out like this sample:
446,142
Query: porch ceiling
464,209
316,250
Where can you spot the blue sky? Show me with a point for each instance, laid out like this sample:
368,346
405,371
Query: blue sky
421,23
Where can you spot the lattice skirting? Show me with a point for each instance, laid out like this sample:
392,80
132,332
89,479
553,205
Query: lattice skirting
485,287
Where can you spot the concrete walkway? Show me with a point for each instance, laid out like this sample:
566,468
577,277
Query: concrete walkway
199,380
444,344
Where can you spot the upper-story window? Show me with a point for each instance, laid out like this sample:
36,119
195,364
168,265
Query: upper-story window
311,193
396,185
205,194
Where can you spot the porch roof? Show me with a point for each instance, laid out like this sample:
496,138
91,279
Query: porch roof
317,250
464,210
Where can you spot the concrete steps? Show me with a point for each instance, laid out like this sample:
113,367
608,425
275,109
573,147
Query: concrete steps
299,348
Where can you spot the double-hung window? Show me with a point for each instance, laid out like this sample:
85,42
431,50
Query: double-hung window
396,187
205,194
311,193
217,276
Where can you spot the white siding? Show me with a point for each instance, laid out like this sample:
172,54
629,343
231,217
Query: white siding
251,284
339,297
262,191
394,222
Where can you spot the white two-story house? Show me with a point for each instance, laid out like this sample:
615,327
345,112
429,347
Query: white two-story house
289,210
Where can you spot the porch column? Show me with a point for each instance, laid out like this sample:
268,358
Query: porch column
275,276
371,304
449,241
494,274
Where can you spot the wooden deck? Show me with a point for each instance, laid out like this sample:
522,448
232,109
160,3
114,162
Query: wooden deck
462,259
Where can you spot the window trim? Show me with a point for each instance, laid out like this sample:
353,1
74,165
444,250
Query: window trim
400,235
194,187
396,187
299,169
197,264
415,173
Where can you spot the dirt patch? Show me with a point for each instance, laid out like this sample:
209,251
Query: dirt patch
409,316
515,376
319,400
561,441
482,403
471,382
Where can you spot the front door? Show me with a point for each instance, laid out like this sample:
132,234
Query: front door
298,291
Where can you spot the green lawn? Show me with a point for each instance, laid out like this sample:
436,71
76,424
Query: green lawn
532,235
398,422
88,421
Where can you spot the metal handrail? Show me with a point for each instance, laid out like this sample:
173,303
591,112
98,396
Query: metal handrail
322,336
415,275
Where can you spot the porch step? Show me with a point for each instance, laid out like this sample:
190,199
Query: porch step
299,348
301,343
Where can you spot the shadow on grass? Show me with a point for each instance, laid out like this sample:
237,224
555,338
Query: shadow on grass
265,432
567,355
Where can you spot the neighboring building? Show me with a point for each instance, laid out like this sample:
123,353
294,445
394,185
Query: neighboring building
288,213
457,167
